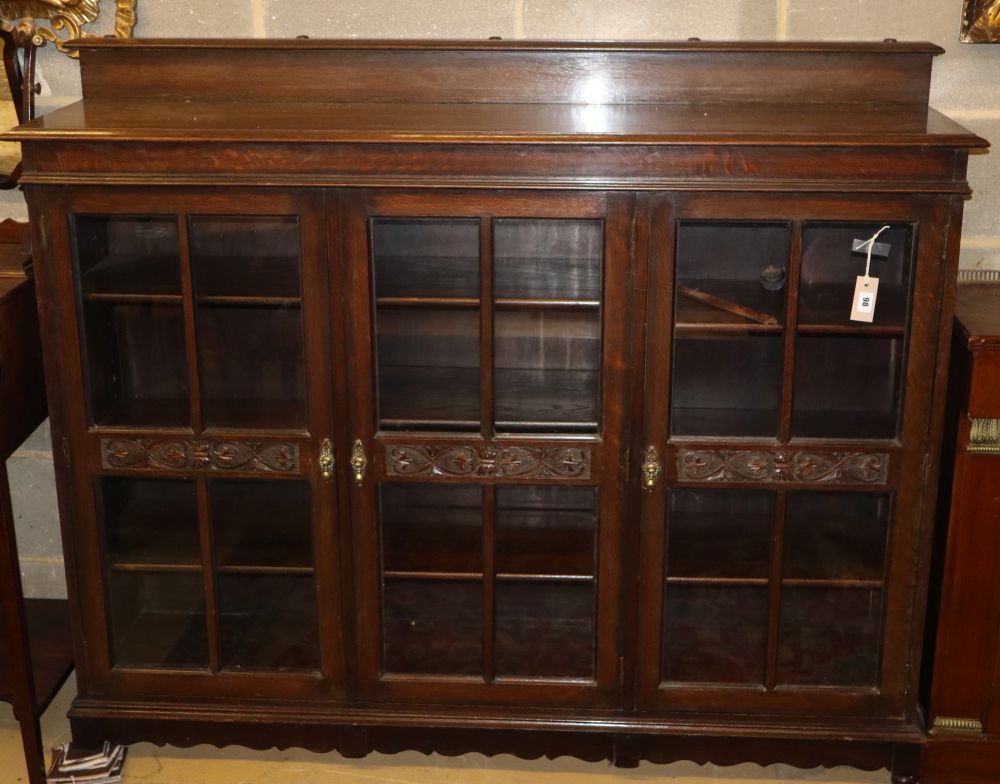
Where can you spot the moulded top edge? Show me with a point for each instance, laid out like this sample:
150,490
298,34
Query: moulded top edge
888,46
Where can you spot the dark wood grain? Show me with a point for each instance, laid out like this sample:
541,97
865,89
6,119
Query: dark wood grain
540,610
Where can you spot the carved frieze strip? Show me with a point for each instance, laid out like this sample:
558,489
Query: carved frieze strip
521,462
180,454
782,465
984,436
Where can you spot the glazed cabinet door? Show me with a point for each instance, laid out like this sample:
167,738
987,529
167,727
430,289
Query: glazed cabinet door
785,442
197,357
486,444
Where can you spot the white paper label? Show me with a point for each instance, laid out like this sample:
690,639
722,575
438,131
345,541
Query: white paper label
865,294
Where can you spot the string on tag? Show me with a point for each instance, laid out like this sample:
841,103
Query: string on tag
868,261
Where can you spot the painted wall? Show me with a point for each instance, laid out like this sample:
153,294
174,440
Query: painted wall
966,86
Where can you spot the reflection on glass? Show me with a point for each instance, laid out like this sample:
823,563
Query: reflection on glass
127,254
847,386
830,270
548,259
726,385
829,636
425,257
249,314
546,530
547,371
428,369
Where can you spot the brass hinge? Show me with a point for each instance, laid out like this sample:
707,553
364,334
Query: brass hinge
948,725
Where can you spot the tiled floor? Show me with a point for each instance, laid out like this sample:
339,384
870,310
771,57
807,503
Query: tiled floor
148,764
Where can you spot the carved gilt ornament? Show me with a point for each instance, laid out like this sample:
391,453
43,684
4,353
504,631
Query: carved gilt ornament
66,20
981,22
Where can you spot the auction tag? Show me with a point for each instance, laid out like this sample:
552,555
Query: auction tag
865,293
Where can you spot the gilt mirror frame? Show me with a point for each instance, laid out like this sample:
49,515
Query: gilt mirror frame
981,22
64,20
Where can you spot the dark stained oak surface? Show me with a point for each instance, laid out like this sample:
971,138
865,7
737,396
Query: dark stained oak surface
663,123
551,601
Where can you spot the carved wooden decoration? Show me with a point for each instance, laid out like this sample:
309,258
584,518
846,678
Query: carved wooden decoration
66,20
489,461
760,465
182,454
981,22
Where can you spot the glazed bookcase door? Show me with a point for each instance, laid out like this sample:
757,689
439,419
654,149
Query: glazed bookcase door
777,553
486,515
199,320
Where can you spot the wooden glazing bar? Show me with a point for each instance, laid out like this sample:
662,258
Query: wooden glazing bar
190,324
207,539
486,374
489,580
774,591
791,321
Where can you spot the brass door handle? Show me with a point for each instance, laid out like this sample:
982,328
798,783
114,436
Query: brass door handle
359,463
651,469
326,460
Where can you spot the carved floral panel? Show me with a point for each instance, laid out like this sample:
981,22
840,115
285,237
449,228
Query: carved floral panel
753,465
489,461
202,454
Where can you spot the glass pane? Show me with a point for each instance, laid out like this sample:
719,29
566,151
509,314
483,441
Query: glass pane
548,259
847,387
830,269
262,524
428,369
158,619
136,366
840,536
127,254
719,533
432,627
545,629
268,622
249,312
425,257
726,385
714,634
548,371
129,282
431,528
731,273
546,530
252,366
830,636
245,256
149,521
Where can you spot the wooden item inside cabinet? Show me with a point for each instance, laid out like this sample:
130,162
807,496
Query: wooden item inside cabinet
499,396
964,664
35,646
